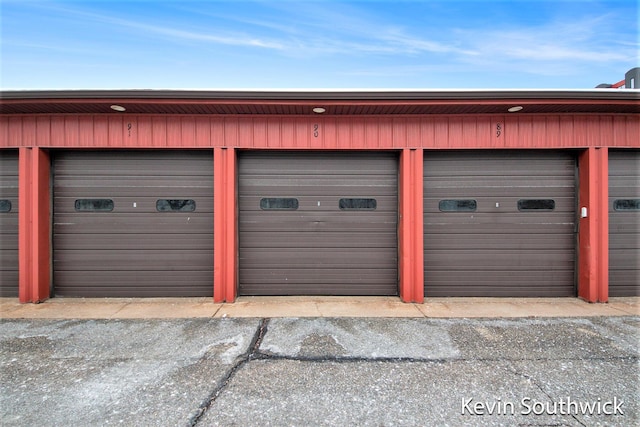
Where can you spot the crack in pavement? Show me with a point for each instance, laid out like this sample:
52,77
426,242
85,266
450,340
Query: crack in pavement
244,359
253,352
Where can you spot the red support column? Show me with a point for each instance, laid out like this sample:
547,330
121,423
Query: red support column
410,228
593,237
34,225
225,225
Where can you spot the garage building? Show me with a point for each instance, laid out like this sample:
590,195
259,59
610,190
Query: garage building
409,193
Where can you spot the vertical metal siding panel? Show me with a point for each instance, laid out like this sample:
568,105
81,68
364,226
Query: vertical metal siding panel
413,133
633,131
358,132
57,131
326,132
144,127
482,132
590,135
231,134
100,131
287,126
159,131
302,133
385,132
217,131
43,131
174,132
274,133
4,132
566,131
399,129
85,131
257,139
372,132
539,132
621,135
525,132
115,131
344,136
71,131
441,139
427,133
553,131
188,137
29,131
470,132
203,132
455,134
15,131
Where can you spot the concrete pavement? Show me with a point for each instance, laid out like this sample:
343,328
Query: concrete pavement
339,361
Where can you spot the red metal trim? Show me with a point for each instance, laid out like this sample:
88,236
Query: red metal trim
410,227
34,226
593,238
225,225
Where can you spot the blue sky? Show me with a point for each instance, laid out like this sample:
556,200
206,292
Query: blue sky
279,44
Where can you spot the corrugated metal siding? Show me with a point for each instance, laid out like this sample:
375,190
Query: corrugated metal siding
499,251
318,249
288,132
9,224
133,251
624,226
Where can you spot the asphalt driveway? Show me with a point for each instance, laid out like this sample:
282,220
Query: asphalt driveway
320,371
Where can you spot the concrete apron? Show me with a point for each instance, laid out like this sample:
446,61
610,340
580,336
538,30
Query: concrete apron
304,306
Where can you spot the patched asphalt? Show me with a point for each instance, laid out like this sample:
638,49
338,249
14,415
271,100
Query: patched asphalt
320,372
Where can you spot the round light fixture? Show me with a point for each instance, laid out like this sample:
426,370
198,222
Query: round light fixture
118,108
319,110
515,109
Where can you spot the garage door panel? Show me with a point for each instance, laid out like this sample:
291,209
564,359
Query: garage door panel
113,241
251,203
119,283
624,225
318,249
328,239
144,205
316,257
133,250
473,241
139,223
497,259
311,275
123,259
499,250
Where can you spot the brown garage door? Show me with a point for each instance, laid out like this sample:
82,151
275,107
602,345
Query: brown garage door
133,224
8,223
624,223
318,223
499,223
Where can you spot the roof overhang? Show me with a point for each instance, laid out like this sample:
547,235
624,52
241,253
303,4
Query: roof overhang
335,102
